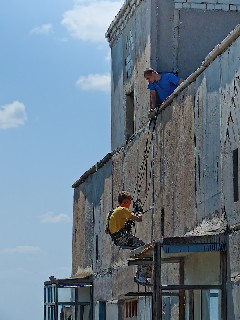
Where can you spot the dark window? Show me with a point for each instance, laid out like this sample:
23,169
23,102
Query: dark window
235,175
102,310
162,221
130,115
131,309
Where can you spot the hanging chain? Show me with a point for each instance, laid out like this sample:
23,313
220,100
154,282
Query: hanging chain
143,167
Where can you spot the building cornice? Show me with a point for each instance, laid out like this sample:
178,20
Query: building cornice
121,19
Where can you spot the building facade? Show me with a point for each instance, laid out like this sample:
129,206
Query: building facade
183,165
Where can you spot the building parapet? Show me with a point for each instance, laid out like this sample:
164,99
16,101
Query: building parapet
92,170
130,6
121,19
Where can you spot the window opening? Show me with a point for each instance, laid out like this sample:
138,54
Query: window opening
102,310
131,309
130,114
162,221
235,175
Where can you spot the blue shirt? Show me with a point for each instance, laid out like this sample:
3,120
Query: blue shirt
165,86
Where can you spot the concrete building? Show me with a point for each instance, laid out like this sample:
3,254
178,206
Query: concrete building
183,164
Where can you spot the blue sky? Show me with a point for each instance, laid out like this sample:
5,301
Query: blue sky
54,125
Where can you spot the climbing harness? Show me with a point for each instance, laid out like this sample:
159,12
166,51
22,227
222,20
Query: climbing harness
107,230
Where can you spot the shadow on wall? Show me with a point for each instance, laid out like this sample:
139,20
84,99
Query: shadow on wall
93,187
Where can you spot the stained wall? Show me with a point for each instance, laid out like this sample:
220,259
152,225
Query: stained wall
181,165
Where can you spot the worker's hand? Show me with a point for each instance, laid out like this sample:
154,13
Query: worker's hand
139,213
137,207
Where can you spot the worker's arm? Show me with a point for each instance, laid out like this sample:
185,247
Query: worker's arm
180,81
153,99
136,218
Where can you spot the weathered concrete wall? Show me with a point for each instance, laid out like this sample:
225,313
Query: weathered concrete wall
202,268
164,36
234,276
182,166
230,119
168,35
208,142
186,34
91,201
130,56
174,178
199,32
117,112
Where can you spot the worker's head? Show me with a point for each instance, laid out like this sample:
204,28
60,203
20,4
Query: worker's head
124,199
150,74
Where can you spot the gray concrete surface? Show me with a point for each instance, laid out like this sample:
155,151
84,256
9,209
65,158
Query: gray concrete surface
183,166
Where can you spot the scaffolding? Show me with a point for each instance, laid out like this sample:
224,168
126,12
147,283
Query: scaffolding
198,264
68,299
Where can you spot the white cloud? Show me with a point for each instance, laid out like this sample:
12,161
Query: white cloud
21,250
95,82
89,20
12,115
55,218
43,29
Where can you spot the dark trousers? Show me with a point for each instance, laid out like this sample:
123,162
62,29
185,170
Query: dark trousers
126,239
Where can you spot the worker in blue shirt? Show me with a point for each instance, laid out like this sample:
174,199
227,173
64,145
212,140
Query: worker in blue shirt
161,86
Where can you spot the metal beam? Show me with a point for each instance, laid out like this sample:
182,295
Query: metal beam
191,287
223,268
157,287
138,294
140,262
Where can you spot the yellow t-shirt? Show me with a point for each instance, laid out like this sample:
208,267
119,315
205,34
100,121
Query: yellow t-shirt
118,218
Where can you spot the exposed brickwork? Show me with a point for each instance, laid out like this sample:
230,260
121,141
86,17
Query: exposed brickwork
225,5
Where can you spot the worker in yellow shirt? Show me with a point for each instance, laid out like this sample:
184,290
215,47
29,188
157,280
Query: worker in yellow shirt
118,225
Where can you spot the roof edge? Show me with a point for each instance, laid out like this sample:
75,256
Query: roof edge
117,25
92,170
